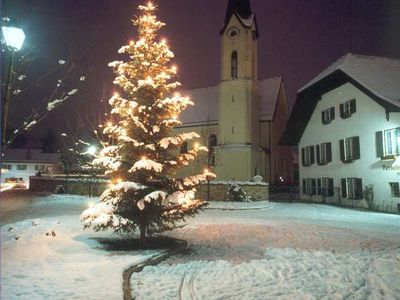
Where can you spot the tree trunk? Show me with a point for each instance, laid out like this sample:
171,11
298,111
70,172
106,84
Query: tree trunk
142,228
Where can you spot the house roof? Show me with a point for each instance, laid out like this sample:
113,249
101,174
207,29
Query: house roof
378,77
30,155
205,110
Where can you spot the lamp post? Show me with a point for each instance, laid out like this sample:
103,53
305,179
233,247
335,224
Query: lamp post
91,150
14,38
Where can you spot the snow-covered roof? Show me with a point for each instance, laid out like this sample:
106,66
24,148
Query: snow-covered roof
30,155
205,99
380,75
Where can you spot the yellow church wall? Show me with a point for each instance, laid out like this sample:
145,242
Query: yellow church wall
246,48
204,130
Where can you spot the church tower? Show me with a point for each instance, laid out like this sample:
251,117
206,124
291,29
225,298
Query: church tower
238,154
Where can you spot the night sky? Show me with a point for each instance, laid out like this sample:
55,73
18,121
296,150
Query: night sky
298,38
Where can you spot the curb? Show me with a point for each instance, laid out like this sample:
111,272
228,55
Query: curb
126,275
244,208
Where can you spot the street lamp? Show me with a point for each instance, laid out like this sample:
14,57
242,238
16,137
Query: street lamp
14,38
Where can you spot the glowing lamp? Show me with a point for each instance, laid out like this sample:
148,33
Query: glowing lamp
14,37
196,145
143,158
205,170
109,124
91,150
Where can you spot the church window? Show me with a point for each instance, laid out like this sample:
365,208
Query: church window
212,143
184,147
234,65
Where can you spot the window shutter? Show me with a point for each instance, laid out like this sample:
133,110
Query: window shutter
318,186
344,188
359,192
318,155
379,143
341,146
330,187
341,108
352,106
303,156
312,160
356,147
323,117
332,113
304,187
328,152
313,186
398,140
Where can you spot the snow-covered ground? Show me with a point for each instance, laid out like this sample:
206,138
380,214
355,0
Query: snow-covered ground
287,251
292,251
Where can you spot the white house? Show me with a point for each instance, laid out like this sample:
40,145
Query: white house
18,164
346,122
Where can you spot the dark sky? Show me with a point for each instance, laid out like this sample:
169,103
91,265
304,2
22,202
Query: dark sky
298,38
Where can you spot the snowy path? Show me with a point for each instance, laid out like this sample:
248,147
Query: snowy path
246,255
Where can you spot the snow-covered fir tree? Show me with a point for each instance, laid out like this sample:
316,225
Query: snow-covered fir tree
142,154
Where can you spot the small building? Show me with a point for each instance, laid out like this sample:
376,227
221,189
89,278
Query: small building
346,123
18,164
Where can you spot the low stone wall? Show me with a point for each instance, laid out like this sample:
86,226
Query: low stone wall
87,186
83,186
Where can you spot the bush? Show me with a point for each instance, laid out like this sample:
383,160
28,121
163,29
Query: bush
368,194
236,193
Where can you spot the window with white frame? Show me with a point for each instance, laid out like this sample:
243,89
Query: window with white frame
6,166
310,186
40,168
349,149
388,143
328,115
21,167
324,153
347,108
307,155
352,188
327,187
394,189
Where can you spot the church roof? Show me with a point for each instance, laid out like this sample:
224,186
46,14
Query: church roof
205,110
377,77
241,7
242,10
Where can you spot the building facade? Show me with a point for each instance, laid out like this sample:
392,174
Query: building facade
242,118
18,164
346,122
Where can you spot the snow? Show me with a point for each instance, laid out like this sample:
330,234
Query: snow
69,265
288,251
73,91
146,164
279,251
61,61
51,105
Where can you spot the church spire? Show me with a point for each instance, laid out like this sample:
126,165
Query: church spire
241,7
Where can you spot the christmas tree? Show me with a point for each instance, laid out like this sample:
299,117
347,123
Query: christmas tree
141,155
